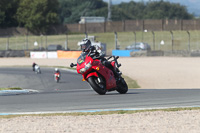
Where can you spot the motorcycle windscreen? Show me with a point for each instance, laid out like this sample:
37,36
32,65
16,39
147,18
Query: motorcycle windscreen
81,58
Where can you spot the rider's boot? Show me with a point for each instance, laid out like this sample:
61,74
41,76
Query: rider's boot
115,72
117,75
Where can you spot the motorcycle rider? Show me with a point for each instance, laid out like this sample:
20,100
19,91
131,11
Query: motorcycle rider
86,46
57,71
33,66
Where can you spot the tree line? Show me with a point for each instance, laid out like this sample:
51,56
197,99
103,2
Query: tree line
38,15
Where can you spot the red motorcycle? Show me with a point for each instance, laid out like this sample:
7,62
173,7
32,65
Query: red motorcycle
57,77
100,78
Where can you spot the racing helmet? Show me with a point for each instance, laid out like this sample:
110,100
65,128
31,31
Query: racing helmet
85,44
56,69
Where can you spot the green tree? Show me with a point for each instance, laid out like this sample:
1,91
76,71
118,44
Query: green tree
70,11
152,10
8,9
162,10
37,15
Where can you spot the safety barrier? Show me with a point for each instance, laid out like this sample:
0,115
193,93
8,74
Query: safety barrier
40,55
68,54
52,55
58,54
12,53
123,53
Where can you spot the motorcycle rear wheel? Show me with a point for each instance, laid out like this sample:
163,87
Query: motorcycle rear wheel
38,71
100,88
122,87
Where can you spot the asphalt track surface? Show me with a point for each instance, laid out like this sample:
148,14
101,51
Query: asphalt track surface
72,94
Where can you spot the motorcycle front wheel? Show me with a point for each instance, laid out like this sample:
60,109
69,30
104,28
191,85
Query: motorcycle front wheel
38,71
97,85
122,87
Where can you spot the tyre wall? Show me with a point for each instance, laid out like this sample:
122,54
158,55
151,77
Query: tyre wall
16,53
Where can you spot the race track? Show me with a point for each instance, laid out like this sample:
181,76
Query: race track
71,94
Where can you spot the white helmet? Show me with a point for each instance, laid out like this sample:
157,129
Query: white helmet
56,69
85,44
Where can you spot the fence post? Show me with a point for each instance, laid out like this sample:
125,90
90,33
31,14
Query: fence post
181,24
188,40
135,36
172,40
86,35
163,24
41,44
66,42
116,40
27,41
85,27
104,26
153,40
46,43
7,45
142,30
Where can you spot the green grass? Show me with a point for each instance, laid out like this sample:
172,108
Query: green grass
14,88
181,40
105,112
130,82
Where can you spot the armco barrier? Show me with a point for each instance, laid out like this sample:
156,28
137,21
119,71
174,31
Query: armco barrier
68,54
124,53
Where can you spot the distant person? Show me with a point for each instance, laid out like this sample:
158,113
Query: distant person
57,75
57,71
33,66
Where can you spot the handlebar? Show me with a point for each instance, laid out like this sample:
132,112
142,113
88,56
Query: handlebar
72,65
109,57
115,59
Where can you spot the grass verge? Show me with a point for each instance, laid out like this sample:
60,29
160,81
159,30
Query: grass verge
104,112
132,84
14,88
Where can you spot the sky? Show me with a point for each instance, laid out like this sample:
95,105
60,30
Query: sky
119,1
175,1
191,5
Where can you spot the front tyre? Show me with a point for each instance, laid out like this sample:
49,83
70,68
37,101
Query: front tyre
122,87
97,85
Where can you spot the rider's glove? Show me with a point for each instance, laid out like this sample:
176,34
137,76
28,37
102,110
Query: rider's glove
71,65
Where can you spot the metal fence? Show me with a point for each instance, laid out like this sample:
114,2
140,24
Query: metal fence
41,42
135,25
163,40
158,40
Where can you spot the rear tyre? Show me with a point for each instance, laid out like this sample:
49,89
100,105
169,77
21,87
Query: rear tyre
122,87
57,80
38,71
97,86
